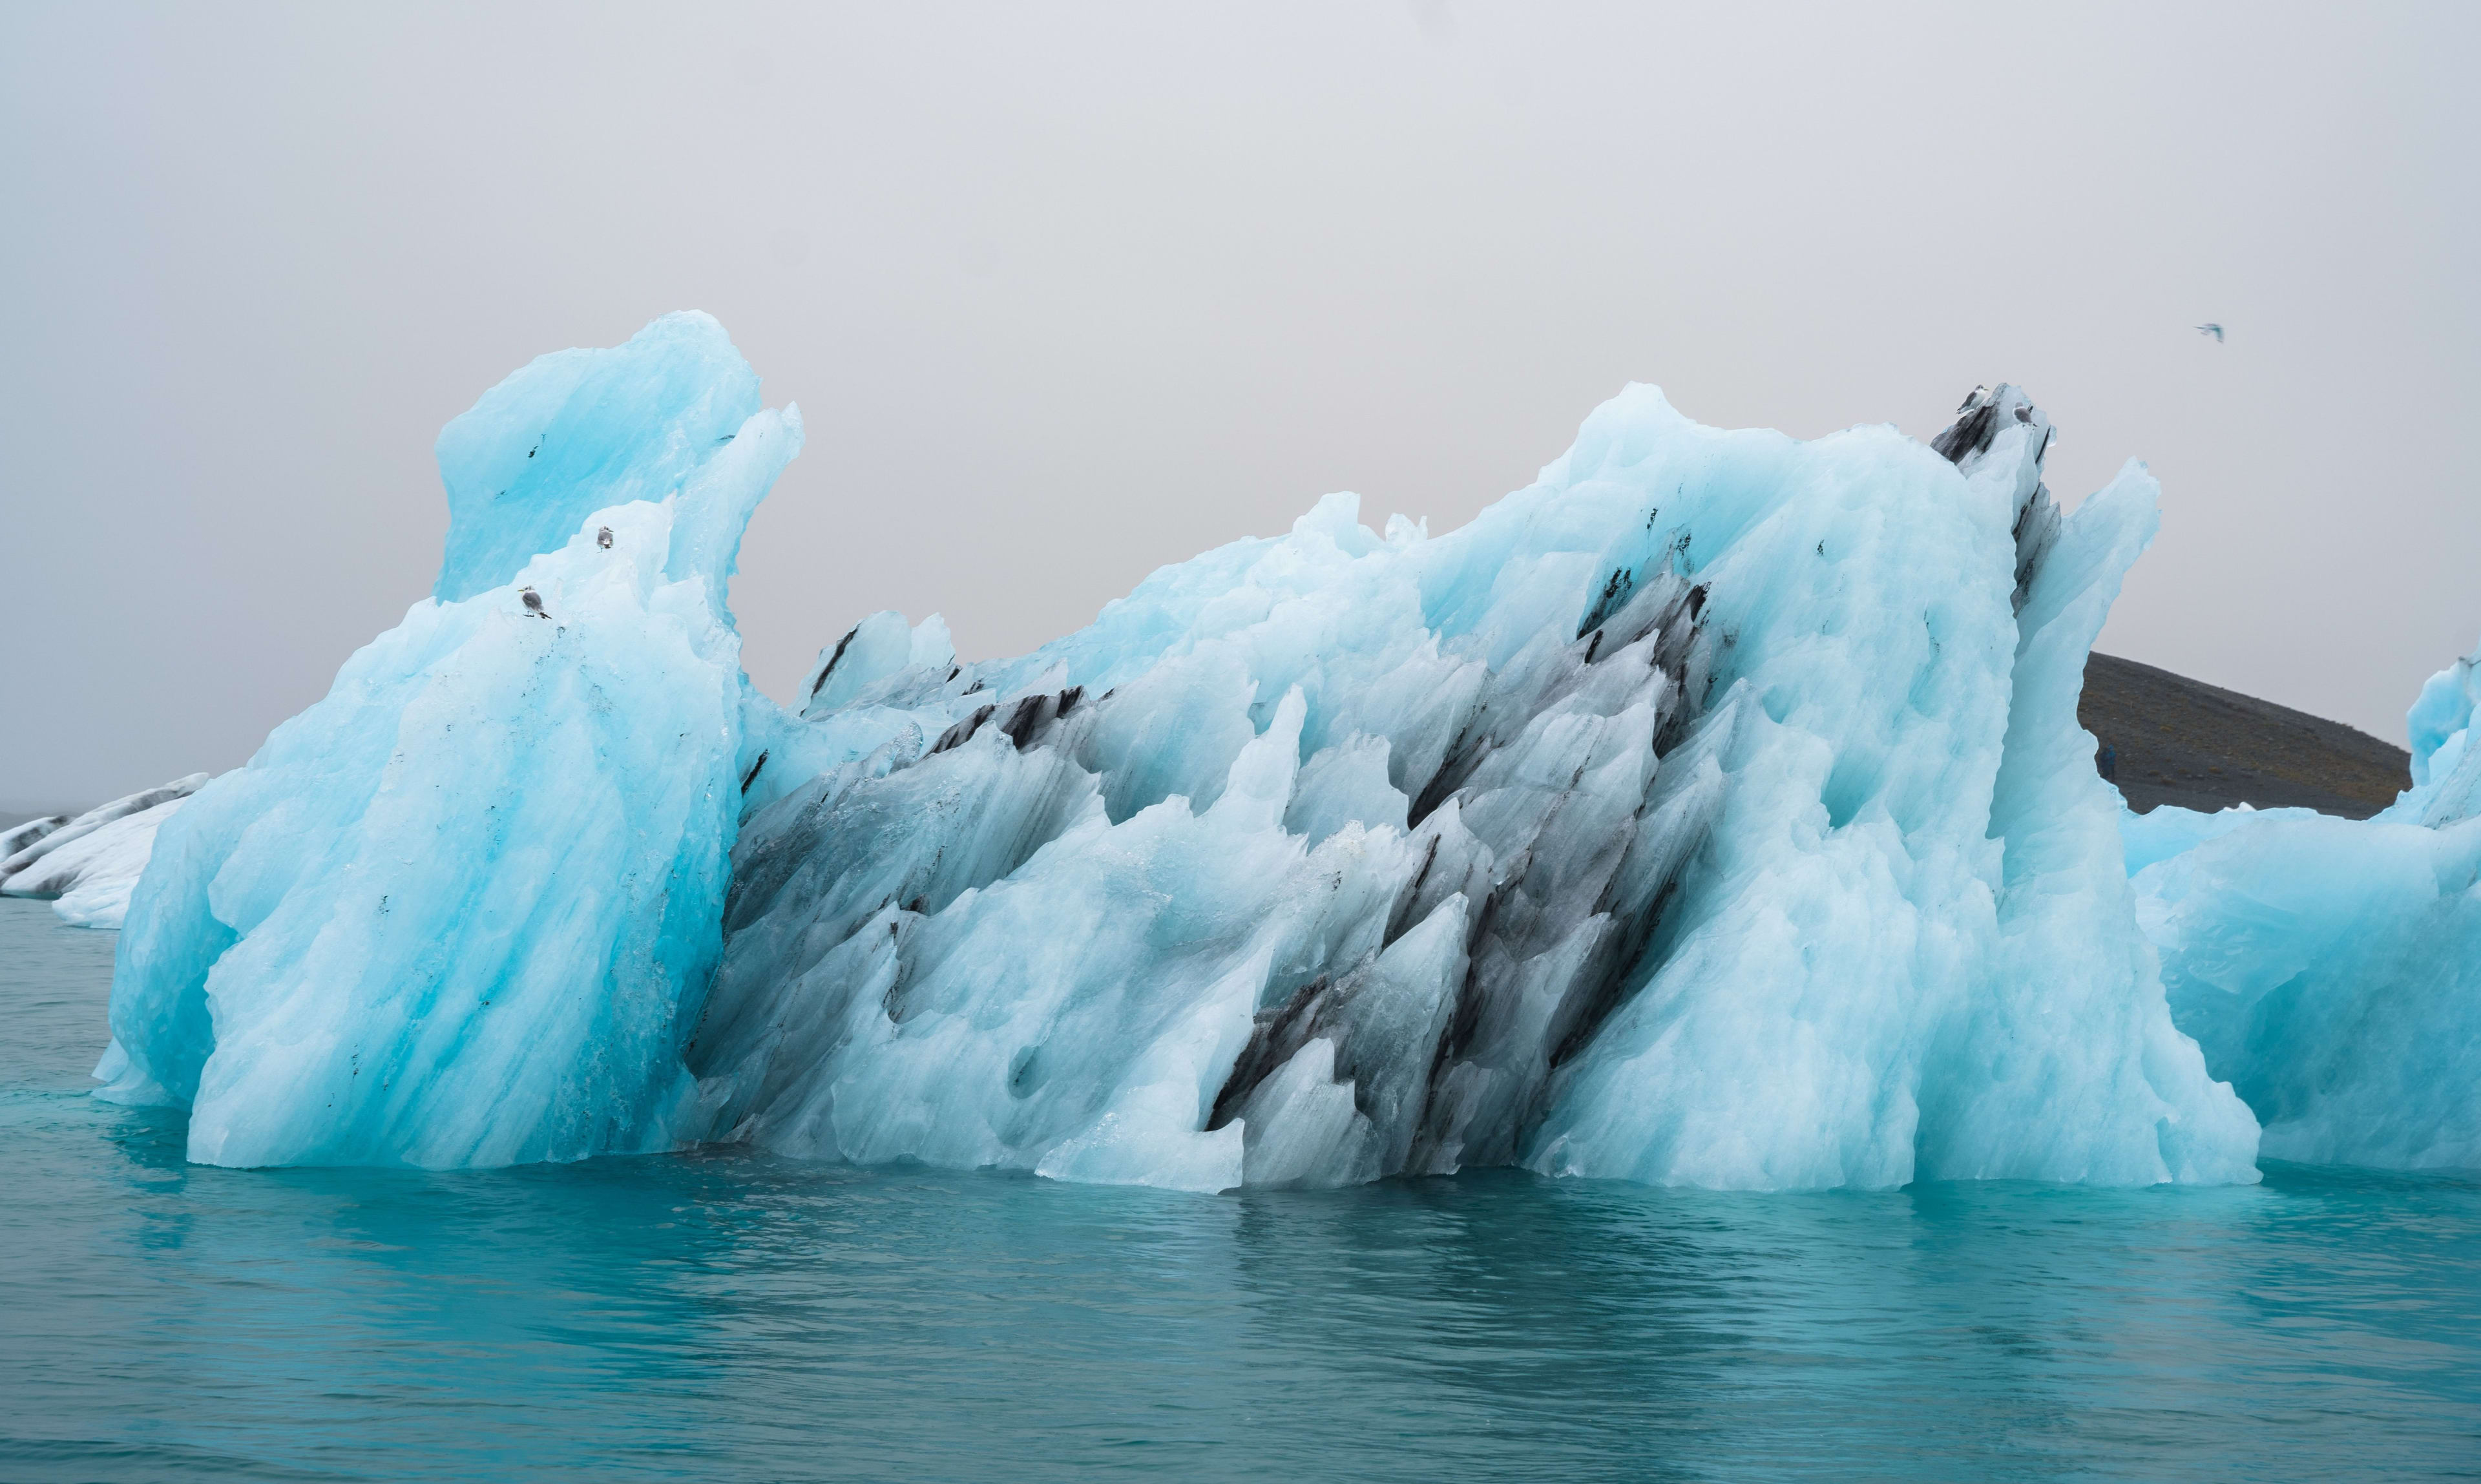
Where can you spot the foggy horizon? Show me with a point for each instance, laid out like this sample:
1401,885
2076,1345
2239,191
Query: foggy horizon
1064,298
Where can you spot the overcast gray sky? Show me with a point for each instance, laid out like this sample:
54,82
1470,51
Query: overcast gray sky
1069,292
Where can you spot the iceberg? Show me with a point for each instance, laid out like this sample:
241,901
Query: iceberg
1711,811
2331,969
90,864
459,912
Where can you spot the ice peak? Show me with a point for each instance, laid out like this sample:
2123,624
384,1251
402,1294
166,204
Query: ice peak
577,431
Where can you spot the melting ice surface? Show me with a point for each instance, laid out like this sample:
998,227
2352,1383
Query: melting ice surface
1711,812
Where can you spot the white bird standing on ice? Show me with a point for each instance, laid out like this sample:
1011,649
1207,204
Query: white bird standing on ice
532,601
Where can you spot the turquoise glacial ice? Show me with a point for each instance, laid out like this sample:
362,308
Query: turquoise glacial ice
461,911
1711,811
2331,969
579,430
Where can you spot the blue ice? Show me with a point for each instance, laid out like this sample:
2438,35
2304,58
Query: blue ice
1711,811
462,910
2330,968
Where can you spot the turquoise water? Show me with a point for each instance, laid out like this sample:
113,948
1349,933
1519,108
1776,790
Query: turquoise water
732,1317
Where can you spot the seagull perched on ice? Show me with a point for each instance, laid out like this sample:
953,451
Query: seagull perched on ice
532,601
2210,328
603,538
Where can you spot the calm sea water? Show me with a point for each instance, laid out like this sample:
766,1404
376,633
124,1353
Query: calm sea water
734,1317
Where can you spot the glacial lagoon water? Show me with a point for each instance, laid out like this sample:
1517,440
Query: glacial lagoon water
724,1316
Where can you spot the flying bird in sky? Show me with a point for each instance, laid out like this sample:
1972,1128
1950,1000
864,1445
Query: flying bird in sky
2211,329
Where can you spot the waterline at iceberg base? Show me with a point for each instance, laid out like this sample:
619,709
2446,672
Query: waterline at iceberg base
1711,812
